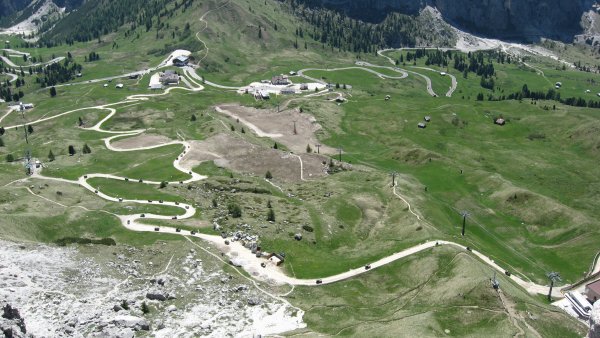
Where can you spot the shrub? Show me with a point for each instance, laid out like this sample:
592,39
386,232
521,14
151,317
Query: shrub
268,175
308,228
234,210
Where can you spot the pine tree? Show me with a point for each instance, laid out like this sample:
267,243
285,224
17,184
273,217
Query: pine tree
308,148
163,184
52,92
51,156
145,308
193,118
86,149
268,175
80,121
10,158
1,142
71,150
125,305
259,32
275,146
271,215
2,131
269,205
30,129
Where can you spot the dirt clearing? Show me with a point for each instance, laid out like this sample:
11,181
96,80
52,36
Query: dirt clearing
291,128
236,154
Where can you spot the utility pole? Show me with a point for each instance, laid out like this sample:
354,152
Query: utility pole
28,165
553,276
318,147
464,214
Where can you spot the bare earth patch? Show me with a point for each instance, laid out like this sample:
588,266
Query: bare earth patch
143,140
279,126
239,155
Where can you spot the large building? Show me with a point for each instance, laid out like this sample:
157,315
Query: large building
280,80
592,291
169,77
181,60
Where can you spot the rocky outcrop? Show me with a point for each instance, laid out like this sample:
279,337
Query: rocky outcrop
11,323
595,321
131,322
506,19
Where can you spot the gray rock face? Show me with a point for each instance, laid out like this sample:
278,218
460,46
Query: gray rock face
11,323
157,295
506,19
595,321
131,322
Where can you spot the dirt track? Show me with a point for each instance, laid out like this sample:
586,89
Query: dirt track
140,141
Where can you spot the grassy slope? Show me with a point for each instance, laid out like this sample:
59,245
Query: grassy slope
553,173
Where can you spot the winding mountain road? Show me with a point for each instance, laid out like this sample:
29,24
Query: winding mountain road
235,250
44,64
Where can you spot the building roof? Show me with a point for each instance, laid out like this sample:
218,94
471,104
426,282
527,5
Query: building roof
594,286
182,58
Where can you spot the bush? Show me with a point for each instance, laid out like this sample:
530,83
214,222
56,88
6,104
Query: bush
234,210
308,228
268,175
10,158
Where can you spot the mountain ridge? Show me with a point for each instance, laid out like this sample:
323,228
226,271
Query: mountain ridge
525,20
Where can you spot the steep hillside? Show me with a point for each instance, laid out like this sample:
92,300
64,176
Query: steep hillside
516,19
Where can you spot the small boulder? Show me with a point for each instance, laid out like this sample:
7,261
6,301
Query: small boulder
131,322
253,301
157,295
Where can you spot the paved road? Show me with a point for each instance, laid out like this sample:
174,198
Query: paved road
453,84
191,72
384,76
13,77
44,64
235,250
392,61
